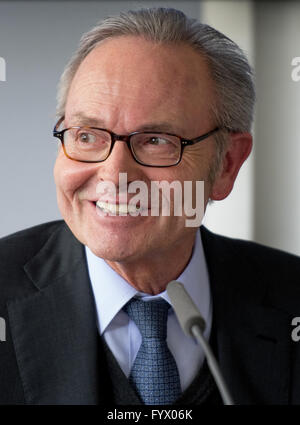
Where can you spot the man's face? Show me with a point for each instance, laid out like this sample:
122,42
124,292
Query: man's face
128,84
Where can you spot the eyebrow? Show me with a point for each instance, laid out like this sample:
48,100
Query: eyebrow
80,119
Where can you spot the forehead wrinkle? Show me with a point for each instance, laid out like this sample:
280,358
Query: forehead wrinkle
124,117
81,119
158,113
94,90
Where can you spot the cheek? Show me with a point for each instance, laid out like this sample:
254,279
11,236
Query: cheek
70,175
196,166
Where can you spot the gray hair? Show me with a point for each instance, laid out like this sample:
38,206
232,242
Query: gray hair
229,67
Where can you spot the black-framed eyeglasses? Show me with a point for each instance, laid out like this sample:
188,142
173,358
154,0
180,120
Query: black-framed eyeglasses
149,148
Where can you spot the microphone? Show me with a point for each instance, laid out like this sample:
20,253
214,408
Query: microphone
193,324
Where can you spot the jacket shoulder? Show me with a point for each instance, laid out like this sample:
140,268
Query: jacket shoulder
20,246
15,251
254,267
251,251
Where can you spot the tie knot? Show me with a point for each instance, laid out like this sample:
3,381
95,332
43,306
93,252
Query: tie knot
149,316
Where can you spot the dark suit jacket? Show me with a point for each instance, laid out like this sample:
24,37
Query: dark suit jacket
53,355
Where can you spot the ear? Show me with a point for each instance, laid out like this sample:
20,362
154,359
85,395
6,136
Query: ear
237,151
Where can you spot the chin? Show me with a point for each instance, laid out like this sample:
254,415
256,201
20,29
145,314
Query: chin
111,253
110,247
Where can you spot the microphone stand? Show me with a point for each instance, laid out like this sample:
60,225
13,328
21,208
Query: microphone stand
193,324
213,366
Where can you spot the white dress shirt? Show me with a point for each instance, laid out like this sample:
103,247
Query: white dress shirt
112,292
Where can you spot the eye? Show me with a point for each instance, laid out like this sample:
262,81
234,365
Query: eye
157,141
86,137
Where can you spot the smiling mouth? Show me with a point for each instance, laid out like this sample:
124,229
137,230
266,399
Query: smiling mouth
118,209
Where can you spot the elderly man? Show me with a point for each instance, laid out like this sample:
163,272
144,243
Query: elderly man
153,96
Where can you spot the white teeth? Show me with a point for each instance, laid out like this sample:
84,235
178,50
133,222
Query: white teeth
117,208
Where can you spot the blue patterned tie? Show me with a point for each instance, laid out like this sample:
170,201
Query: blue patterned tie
154,373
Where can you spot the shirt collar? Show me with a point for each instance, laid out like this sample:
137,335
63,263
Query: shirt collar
112,292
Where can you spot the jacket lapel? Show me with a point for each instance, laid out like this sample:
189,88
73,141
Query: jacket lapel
54,330
252,334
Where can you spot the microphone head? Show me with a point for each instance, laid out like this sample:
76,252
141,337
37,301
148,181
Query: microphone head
185,309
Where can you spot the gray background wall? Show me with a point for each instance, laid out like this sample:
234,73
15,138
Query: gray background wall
277,148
